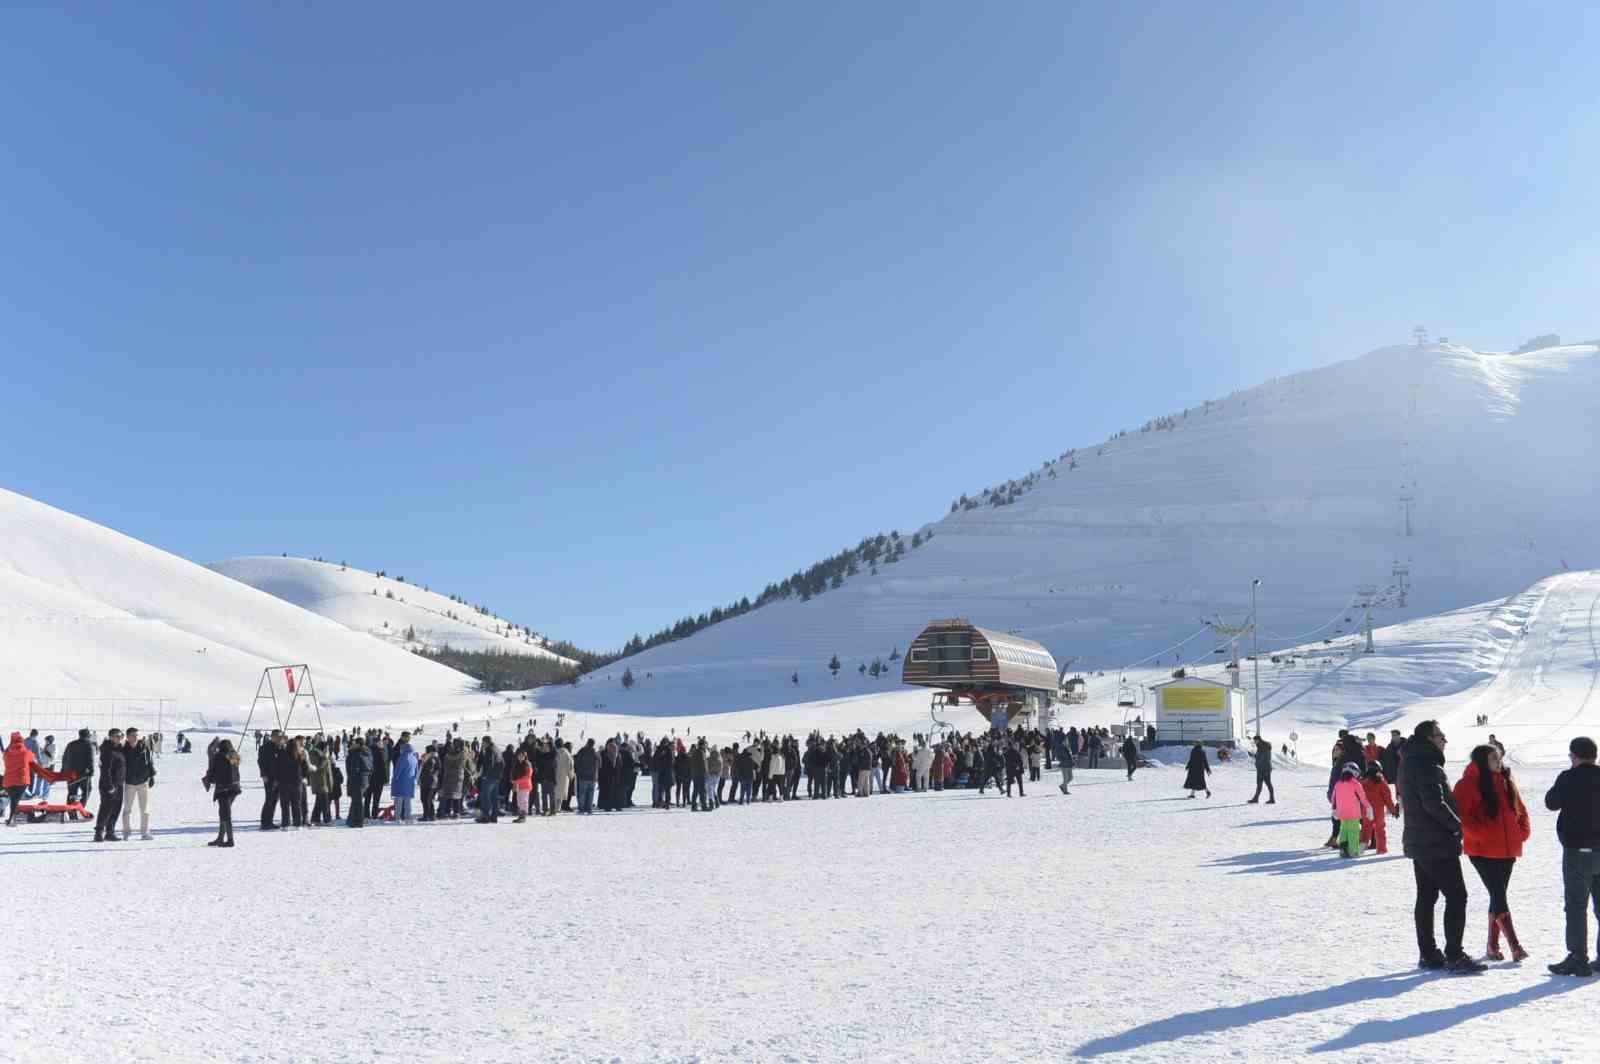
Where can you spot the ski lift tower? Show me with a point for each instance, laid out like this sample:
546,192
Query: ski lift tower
1231,632
1366,595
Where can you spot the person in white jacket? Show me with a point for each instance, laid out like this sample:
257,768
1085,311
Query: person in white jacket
921,762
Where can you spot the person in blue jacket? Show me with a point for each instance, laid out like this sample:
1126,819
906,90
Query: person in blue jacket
403,766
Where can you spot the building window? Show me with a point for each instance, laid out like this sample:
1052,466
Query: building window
919,655
980,653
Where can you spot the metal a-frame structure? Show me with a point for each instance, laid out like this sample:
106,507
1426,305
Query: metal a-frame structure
298,687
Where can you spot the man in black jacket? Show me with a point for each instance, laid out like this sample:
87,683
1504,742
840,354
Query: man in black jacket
78,757
139,779
267,764
1433,842
379,750
1263,772
113,772
1576,793
1392,755
357,770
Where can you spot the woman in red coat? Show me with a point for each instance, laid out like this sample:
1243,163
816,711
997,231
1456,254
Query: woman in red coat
1494,825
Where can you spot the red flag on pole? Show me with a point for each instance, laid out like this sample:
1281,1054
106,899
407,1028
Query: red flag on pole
289,675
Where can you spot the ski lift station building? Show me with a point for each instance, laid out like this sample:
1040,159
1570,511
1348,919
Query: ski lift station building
1003,675
1191,708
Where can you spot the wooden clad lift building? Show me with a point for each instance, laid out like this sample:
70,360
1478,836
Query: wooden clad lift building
996,671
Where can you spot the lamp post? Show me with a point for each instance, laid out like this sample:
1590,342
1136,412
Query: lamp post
1255,650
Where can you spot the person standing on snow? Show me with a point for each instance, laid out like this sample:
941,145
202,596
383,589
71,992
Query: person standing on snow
565,771
20,762
78,759
380,774
222,778
1494,825
1432,840
1374,835
113,775
489,769
403,787
141,778
357,771
1130,754
1576,795
587,766
1196,771
1350,808
267,764
522,784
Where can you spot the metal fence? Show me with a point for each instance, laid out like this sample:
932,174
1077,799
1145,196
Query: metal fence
64,716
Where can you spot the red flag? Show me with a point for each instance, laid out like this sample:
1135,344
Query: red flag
289,675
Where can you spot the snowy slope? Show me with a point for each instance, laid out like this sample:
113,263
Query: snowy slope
361,600
86,612
1298,482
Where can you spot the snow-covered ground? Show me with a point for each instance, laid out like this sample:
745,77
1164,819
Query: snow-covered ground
383,606
1122,922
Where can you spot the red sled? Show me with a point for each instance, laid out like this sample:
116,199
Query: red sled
45,812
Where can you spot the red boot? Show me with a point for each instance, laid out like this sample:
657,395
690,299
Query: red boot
1517,952
1493,952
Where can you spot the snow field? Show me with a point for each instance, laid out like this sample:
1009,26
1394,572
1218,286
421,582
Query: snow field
1123,922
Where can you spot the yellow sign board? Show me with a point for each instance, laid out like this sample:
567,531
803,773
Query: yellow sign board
1194,700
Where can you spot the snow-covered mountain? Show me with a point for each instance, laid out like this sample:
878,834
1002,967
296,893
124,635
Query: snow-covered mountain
89,613
383,606
1119,550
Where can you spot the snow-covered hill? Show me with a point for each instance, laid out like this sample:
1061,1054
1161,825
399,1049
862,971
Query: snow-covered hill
383,606
88,613
1304,482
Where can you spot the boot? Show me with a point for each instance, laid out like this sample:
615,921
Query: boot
1492,952
1517,952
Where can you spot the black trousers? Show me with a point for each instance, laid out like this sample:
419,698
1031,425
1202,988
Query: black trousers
374,799
105,822
1438,876
358,809
1496,875
1017,777
1033,773
225,817
319,810
1264,779
270,804
1580,882
1131,766
427,803
287,798
698,798
14,795
78,790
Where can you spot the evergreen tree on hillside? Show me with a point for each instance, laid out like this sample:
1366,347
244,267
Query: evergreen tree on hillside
627,679
833,665
794,678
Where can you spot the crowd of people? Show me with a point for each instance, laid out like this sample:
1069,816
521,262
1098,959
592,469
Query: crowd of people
345,775
1482,815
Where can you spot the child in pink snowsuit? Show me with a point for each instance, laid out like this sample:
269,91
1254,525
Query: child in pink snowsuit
1350,805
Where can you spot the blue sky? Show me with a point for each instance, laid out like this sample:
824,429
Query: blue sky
604,313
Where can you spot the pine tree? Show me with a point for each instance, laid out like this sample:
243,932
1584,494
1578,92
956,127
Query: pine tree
794,678
894,655
833,665
627,679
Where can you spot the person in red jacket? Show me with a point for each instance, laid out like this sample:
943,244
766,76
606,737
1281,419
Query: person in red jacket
21,766
1494,825
1374,833
522,783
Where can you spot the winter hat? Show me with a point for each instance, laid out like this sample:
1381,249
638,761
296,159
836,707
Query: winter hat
1374,771
83,733
1350,770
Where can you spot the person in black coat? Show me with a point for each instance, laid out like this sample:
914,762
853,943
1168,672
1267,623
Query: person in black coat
1576,794
113,775
222,779
630,774
1130,754
1014,762
357,773
379,778
1263,772
1391,757
289,773
267,764
1432,840
1196,771
661,776
78,758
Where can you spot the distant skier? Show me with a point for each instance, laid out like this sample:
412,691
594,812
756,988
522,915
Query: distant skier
1198,769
